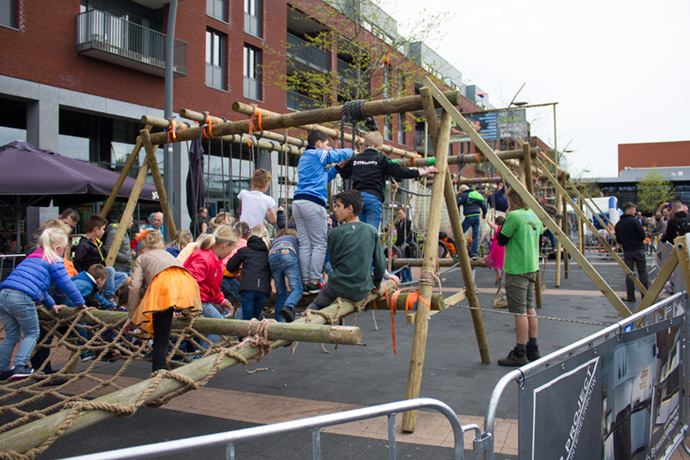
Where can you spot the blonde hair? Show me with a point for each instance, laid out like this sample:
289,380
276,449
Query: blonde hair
56,223
286,231
373,139
50,239
152,240
222,234
260,178
219,220
262,232
182,238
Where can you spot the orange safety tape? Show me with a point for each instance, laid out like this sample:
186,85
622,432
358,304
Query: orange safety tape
172,136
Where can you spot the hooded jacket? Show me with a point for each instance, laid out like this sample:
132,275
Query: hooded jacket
256,270
313,176
123,260
369,170
473,202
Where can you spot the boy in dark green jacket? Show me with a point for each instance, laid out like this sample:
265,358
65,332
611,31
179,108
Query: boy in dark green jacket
351,247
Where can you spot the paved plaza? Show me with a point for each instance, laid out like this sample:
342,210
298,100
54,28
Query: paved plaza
285,386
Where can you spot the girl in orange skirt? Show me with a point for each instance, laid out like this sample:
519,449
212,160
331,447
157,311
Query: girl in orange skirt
160,286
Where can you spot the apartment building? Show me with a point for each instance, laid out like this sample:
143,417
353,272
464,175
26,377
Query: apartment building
76,76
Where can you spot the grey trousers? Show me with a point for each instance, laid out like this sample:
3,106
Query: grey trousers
312,231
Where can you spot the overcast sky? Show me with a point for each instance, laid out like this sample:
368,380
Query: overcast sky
619,69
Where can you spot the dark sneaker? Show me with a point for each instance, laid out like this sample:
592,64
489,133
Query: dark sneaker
288,314
311,288
533,353
21,372
87,356
4,375
513,359
628,299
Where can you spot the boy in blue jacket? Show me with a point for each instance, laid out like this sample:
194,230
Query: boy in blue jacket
474,207
309,205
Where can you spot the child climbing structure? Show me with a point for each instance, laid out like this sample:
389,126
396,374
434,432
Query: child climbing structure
75,413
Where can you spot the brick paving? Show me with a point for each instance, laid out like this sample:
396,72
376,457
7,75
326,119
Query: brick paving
311,382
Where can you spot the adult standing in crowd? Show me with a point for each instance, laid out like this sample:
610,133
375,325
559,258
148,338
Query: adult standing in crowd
520,235
676,224
630,236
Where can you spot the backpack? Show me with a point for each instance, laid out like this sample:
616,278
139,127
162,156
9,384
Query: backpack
683,227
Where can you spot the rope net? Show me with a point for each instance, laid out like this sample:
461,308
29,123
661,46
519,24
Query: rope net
92,355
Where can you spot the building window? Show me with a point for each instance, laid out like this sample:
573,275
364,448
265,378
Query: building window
252,17
217,9
401,83
401,128
387,128
252,77
215,59
386,82
8,13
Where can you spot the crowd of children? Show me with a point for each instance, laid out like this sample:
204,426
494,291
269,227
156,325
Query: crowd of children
228,263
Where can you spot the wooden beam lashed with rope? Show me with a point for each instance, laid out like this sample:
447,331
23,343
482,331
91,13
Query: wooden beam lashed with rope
513,181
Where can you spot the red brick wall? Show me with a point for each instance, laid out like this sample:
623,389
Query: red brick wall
653,154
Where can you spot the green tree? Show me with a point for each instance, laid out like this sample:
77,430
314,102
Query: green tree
653,190
370,53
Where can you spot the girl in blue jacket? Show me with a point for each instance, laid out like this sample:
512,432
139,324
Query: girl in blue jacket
22,290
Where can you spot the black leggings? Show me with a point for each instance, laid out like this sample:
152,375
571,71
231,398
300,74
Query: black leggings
162,323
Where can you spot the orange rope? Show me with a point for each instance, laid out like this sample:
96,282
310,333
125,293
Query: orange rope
172,135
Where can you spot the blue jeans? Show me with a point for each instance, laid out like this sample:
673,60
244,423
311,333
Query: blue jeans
472,221
18,314
312,231
113,282
230,287
210,312
252,304
371,210
284,264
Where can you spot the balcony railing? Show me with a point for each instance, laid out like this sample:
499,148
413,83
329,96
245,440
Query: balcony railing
113,39
297,101
307,53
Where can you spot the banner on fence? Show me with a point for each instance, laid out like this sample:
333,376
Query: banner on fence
620,400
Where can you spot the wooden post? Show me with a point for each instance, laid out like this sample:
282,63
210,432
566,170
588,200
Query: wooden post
559,198
603,242
681,244
529,182
123,175
589,202
295,331
33,434
158,180
371,108
564,227
659,282
459,235
580,225
127,213
510,178
414,379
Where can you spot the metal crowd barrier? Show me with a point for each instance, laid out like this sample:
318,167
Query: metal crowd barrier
229,438
659,319
8,262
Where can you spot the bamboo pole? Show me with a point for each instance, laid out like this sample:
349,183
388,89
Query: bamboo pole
295,331
128,212
510,178
371,108
33,434
158,179
123,175
601,239
459,235
414,379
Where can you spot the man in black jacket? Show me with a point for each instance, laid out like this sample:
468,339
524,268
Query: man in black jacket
630,236
369,170
677,224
